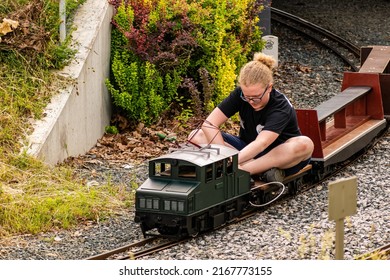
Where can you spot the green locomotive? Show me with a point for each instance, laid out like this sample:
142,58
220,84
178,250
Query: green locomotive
191,190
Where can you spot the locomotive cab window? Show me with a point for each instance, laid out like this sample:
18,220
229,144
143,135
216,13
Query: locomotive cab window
162,169
232,164
219,169
209,172
187,171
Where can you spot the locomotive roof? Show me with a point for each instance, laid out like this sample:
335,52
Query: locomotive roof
201,156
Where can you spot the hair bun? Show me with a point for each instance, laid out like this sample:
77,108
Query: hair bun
268,60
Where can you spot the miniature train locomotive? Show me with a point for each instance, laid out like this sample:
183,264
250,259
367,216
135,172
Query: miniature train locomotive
191,190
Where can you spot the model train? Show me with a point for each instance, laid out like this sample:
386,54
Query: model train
192,189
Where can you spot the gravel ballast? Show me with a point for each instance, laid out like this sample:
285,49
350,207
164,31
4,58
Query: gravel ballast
297,228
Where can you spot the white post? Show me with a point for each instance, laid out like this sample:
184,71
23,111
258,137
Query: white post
62,20
271,47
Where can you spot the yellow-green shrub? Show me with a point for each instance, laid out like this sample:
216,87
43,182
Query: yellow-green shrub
180,43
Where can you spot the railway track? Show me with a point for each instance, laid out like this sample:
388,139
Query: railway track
381,253
138,249
151,245
344,49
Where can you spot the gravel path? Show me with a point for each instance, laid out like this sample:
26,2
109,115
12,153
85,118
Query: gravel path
297,228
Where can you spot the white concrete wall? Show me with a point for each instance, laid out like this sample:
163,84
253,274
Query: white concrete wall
77,116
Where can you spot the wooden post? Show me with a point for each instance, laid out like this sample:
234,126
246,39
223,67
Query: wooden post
339,239
342,203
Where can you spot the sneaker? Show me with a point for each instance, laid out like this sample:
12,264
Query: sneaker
274,175
252,182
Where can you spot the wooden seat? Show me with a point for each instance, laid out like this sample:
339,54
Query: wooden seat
293,176
345,124
340,101
376,59
350,102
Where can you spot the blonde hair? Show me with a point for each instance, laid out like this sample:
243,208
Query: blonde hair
259,70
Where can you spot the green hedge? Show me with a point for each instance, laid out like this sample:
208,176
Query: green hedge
178,55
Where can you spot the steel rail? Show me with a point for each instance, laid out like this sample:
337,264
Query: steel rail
158,248
125,248
382,253
284,18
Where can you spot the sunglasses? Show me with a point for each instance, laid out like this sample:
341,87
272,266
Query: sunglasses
254,100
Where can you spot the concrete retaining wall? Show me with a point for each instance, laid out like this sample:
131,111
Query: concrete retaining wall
77,116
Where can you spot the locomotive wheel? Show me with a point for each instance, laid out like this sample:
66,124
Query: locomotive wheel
195,230
194,233
296,186
169,231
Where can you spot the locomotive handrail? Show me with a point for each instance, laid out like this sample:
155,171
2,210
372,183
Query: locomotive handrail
211,148
201,150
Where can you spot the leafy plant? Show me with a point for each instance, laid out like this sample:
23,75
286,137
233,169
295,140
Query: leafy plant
111,129
167,51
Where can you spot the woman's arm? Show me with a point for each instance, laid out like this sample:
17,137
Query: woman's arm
210,126
262,141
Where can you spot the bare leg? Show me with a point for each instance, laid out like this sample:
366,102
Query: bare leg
286,155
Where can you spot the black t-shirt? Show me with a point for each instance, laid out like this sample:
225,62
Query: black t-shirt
278,116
